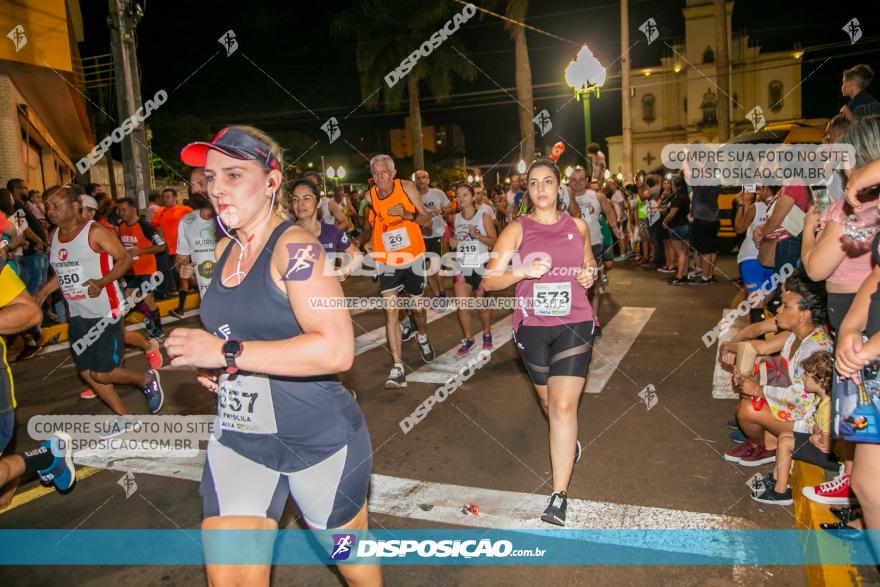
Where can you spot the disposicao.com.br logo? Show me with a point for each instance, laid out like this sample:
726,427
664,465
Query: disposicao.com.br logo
345,544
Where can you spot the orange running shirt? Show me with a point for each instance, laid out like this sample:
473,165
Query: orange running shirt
396,241
140,235
167,219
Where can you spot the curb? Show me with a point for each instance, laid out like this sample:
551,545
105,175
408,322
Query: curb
808,515
165,306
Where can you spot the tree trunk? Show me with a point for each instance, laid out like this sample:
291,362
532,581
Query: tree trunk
415,122
525,108
722,70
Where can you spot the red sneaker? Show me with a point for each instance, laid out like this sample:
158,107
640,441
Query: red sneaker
88,394
154,355
834,492
734,455
757,457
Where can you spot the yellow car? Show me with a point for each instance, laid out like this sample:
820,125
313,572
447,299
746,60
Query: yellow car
806,131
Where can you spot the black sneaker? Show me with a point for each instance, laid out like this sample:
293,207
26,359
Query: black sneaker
177,314
767,480
677,281
29,351
843,531
426,350
396,378
769,495
154,392
578,450
700,281
846,513
555,512
407,331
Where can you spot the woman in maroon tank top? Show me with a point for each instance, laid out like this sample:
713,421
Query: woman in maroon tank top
552,268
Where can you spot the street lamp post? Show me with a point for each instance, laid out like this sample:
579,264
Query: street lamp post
585,75
335,174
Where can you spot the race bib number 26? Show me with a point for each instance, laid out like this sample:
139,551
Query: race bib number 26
394,240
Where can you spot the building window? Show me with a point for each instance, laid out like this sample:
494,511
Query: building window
648,108
775,95
708,55
708,106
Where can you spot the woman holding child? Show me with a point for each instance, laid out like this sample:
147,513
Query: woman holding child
766,411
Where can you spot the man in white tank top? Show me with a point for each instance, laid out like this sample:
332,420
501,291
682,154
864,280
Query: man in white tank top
88,260
592,203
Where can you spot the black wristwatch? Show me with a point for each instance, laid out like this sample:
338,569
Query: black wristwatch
231,350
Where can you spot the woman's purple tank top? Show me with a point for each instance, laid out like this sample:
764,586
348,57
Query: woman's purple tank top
556,298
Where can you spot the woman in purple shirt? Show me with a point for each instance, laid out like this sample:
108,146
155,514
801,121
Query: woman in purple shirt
553,267
305,201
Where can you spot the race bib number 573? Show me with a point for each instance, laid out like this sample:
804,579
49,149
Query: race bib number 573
552,299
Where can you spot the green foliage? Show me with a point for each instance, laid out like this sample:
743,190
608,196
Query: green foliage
171,132
386,32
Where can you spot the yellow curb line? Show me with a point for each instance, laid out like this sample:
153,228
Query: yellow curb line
39,491
808,515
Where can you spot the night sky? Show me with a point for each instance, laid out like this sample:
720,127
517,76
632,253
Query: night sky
291,42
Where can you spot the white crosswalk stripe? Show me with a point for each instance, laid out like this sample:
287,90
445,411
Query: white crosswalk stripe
617,338
405,498
448,364
377,337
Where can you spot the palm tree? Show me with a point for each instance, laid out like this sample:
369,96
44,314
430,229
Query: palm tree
386,32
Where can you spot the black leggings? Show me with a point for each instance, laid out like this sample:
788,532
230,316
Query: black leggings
550,351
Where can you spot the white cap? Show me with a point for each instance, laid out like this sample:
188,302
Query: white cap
88,202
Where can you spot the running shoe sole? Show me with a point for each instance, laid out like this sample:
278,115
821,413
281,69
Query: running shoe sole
758,463
578,452
90,395
68,460
810,493
788,501
392,384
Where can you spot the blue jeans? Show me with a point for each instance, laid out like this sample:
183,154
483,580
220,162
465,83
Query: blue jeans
788,251
34,271
656,232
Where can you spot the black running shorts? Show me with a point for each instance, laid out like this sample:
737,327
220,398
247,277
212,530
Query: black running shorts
549,351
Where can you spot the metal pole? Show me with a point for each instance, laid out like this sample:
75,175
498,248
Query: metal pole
626,164
135,161
588,136
323,175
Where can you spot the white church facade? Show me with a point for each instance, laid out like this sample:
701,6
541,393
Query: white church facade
677,101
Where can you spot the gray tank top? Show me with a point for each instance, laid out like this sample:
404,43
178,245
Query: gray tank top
285,423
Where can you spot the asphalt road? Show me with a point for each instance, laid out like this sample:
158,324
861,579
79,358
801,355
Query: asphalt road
490,435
